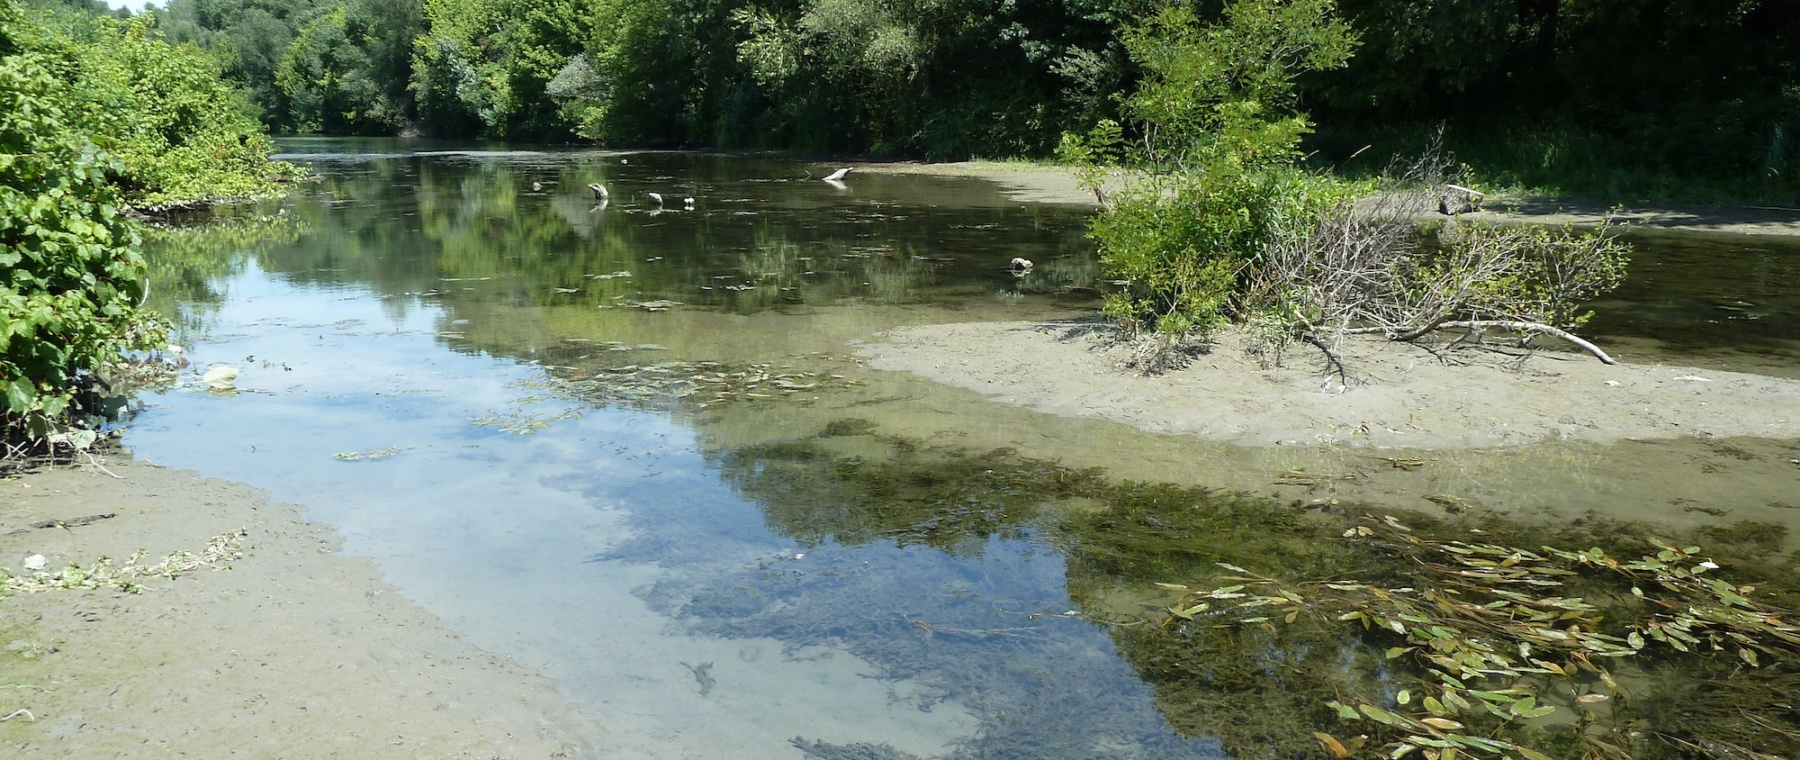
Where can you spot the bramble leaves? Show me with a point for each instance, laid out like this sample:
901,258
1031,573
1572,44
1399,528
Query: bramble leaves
95,114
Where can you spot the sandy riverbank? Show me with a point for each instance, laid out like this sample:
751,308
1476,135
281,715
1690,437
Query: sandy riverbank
294,652
1045,183
1399,396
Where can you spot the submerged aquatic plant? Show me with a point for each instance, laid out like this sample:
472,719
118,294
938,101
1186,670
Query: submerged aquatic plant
1512,652
662,384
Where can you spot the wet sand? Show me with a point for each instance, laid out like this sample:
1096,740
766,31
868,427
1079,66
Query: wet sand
294,651
1398,396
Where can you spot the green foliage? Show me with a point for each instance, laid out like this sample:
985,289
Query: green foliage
1218,140
640,60
1588,97
488,64
1224,92
1185,244
69,260
1593,97
98,114
181,134
346,70
249,39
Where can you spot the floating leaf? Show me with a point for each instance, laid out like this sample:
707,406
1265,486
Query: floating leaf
1443,723
1529,753
1335,747
1382,716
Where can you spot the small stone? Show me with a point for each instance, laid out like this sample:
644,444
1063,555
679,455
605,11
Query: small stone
1456,199
35,562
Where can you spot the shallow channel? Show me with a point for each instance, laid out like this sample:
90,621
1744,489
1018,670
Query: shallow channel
630,444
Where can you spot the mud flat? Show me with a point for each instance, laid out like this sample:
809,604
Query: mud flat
1398,396
293,651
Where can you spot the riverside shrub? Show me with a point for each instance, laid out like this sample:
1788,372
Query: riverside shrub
69,259
1214,139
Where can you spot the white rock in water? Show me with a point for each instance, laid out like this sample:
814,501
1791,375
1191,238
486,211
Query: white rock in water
221,377
35,562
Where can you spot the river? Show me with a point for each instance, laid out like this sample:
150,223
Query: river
630,444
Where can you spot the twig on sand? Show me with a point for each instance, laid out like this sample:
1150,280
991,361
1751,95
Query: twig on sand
73,522
19,712
94,462
1330,358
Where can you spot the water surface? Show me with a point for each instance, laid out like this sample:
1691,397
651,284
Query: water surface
627,445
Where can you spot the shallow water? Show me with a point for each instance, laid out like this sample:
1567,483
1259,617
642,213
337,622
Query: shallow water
626,445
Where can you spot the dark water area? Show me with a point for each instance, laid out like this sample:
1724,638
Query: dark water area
1731,302
629,446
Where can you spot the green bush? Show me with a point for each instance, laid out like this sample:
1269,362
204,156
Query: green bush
181,133
98,114
1214,153
1185,245
1218,223
69,260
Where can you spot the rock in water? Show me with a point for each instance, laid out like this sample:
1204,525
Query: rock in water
1457,199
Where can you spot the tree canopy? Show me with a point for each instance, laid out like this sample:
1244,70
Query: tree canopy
1583,92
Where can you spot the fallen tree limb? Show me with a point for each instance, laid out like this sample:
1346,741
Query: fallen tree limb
1508,324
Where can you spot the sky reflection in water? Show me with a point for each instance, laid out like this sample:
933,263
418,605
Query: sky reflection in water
710,580
605,549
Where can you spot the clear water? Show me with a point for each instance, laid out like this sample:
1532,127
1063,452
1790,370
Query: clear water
539,418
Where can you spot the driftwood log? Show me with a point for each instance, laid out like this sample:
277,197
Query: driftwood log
1501,323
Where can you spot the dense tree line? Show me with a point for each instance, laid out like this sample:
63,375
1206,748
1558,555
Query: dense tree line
1683,87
